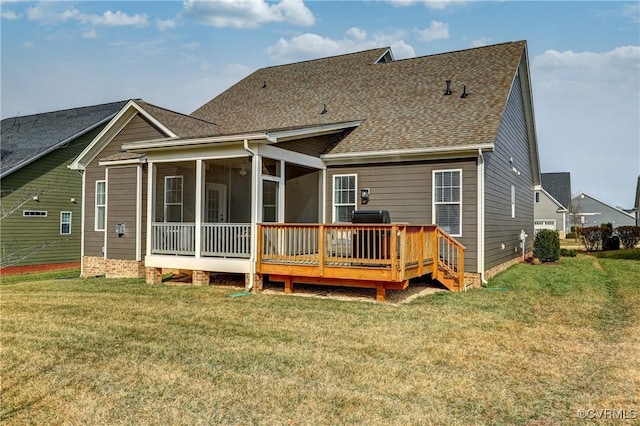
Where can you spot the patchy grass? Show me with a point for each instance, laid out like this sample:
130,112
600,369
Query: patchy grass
542,343
58,274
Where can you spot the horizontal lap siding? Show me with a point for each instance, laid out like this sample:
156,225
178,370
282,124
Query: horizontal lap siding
121,209
502,232
406,191
39,237
136,130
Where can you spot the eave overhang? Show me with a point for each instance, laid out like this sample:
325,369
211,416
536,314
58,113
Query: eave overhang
399,155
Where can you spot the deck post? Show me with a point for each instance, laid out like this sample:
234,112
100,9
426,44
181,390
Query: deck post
460,269
380,292
321,250
288,285
421,251
435,254
393,248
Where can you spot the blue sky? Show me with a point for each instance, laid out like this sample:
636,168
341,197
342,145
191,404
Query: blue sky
584,57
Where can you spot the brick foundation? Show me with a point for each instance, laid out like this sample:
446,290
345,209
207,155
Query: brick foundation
121,268
93,266
153,275
200,278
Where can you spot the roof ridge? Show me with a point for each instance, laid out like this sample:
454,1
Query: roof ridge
178,113
359,52
461,50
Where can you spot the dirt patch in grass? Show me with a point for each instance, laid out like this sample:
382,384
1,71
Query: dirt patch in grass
416,289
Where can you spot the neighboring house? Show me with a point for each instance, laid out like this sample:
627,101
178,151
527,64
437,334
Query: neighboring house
593,212
553,203
550,213
445,139
41,198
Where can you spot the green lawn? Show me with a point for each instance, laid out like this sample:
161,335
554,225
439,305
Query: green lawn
541,344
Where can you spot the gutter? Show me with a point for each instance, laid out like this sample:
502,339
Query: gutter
480,182
405,154
254,227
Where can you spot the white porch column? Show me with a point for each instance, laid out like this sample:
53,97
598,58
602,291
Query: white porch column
198,212
323,196
151,196
281,192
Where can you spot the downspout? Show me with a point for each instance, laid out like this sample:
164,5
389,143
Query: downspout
252,256
481,247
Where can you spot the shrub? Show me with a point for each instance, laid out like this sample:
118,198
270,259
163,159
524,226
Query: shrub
571,235
591,238
568,252
629,235
546,246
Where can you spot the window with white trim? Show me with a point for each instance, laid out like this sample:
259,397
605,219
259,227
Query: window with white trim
65,223
101,204
173,199
447,200
344,197
513,201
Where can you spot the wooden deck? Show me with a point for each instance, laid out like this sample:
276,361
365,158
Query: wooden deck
381,256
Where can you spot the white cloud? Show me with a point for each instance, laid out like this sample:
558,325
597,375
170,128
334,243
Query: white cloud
165,24
28,45
431,4
587,106
115,19
49,13
91,33
479,42
247,13
309,45
9,14
436,31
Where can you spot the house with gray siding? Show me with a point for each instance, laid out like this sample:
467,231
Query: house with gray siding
550,213
266,176
593,212
41,198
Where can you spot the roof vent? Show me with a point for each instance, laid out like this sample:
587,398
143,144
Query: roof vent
448,91
324,109
464,92
264,85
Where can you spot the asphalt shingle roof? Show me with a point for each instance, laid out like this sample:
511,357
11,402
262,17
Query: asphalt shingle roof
401,102
559,186
26,138
182,125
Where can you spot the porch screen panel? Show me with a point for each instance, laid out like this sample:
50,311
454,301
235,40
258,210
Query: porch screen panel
447,200
344,197
269,201
173,199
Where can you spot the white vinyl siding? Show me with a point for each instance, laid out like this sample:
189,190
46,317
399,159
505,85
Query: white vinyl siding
65,223
447,200
101,204
173,199
344,197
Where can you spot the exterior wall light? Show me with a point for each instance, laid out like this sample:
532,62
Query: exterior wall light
364,195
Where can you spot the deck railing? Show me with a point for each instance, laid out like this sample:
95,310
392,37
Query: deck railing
405,251
218,239
173,238
226,240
